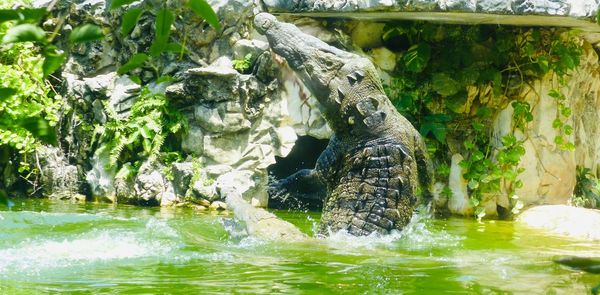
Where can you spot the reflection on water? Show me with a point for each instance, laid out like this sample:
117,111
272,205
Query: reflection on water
54,246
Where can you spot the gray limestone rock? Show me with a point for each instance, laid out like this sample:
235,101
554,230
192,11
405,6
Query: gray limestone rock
574,8
193,141
182,175
60,179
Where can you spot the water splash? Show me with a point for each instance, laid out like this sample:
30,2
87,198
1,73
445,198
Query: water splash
34,256
417,235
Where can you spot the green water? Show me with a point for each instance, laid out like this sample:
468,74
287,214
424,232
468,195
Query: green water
50,247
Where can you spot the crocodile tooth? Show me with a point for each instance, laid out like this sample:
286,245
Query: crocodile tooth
351,78
359,75
351,120
340,93
338,100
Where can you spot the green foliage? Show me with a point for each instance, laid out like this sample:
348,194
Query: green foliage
203,10
136,61
468,60
149,132
118,3
587,189
243,65
164,19
153,128
24,33
130,19
86,33
28,105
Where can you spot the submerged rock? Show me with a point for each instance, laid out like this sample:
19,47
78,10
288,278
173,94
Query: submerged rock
574,222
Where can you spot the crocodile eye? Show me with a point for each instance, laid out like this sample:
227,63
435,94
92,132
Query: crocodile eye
263,21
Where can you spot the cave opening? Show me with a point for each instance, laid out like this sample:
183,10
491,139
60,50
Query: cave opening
303,155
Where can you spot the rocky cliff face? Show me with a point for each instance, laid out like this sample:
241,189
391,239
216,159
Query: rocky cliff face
239,122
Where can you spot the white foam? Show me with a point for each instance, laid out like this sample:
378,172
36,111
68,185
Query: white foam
33,256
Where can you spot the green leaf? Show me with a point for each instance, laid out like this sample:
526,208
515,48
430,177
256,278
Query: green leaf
53,59
164,20
40,128
480,213
86,33
118,3
4,200
477,155
443,84
134,62
557,123
6,93
130,20
417,57
473,184
30,15
24,33
174,47
543,64
568,129
559,140
565,111
203,10
395,31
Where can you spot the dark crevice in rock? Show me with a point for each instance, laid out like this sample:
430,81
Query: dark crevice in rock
304,155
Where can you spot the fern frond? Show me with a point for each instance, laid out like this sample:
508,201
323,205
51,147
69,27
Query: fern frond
116,151
157,144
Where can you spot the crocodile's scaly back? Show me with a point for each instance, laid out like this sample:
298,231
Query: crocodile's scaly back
376,160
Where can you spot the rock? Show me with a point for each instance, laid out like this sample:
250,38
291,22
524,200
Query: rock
301,108
101,84
439,199
218,205
204,202
199,207
286,138
149,187
213,171
459,201
98,110
169,198
72,197
585,8
123,96
193,141
384,58
205,191
368,34
215,83
223,149
60,180
182,175
243,47
573,222
101,177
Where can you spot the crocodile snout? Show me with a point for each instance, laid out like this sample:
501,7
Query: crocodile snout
263,21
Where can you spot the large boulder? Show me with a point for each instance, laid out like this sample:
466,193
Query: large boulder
563,220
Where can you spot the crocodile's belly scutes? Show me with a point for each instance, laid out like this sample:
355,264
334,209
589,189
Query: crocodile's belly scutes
374,191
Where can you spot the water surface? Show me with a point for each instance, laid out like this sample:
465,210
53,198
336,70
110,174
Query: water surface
50,246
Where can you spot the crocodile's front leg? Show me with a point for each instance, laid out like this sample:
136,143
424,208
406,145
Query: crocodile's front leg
308,183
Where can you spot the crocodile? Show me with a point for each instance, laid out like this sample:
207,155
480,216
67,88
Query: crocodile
375,163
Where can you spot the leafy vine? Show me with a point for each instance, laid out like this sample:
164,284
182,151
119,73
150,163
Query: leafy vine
454,80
